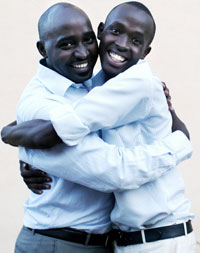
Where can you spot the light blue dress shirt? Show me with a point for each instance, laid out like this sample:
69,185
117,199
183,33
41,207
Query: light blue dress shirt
92,163
127,98
142,102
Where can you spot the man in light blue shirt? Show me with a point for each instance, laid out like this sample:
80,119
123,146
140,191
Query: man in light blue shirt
71,156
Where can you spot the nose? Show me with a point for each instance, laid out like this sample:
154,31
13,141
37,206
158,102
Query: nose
81,51
122,43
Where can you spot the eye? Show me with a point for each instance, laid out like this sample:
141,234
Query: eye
66,45
136,41
115,30
89,40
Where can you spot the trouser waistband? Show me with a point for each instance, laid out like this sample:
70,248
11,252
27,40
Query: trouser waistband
151,235
76,236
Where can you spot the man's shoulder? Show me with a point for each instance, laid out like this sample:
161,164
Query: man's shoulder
140,70
33,88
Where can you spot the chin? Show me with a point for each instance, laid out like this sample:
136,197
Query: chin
112,72
81,79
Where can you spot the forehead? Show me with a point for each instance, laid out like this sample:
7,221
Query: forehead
131,17
69,21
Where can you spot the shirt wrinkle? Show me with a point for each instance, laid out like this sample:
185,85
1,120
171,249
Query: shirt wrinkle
111,166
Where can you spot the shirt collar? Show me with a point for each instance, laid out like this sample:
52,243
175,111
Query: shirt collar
99,79
53,81
142,68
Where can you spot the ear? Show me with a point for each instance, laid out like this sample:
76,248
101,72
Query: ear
146,52
41,48
100,30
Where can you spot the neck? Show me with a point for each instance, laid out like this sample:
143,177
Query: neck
43,62
107,76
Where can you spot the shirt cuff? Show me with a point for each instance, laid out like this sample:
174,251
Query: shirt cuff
68,125
180,145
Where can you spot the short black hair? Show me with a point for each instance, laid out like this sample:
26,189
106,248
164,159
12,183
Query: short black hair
141,7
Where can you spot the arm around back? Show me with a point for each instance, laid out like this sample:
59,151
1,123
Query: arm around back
30,134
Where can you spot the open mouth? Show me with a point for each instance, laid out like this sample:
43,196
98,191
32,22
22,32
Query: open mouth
116,59
81,66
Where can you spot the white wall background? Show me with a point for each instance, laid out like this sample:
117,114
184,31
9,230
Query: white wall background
174,58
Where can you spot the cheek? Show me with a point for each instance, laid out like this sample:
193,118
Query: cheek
64,55
136,50
93,50
106,40
137,53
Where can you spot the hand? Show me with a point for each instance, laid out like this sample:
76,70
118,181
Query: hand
177,124
168,97
35,179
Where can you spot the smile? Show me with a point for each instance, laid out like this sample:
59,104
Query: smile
81,66
116,57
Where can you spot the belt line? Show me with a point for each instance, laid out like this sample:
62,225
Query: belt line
185,228
87,239
143,236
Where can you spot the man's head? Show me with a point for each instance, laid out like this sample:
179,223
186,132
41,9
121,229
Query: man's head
67,41
125,37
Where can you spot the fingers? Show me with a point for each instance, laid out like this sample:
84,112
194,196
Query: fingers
36,191
36,176
169,102
164,85
33,173
168,97
26,171
34,179
24,166
166,90
38,188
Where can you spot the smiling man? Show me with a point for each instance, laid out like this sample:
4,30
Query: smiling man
69,49
58,42
125,38
74,215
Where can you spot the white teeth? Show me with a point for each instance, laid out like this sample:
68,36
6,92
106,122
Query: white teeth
116,57
80,66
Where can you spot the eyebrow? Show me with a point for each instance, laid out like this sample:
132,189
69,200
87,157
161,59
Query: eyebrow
65,38
72,37
135,33
89,33
116,23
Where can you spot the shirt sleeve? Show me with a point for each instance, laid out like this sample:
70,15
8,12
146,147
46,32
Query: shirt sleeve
107,168
123,99
36,106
